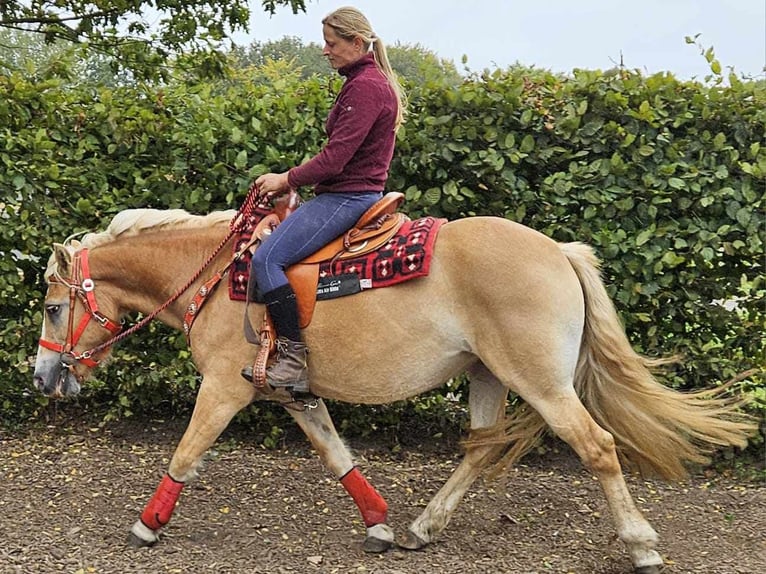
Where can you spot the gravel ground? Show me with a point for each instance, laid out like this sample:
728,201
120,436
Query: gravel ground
69,494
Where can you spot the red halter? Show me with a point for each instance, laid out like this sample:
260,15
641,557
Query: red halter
81,287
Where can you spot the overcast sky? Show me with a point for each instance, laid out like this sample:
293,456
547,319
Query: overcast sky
559,35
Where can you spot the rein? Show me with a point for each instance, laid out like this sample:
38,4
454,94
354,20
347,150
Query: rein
82,286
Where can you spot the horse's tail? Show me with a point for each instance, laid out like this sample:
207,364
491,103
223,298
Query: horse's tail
656,429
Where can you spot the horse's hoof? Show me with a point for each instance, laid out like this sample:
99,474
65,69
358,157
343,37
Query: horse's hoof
141,536
380,538
138,542
652,569
376,545
413,542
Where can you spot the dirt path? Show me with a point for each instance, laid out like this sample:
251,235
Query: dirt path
69,496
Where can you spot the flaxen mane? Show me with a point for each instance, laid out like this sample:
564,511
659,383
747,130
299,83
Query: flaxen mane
134,221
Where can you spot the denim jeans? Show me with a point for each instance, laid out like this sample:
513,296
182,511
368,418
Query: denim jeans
308,228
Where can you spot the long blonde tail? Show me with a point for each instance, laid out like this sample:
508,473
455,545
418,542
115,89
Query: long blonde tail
657,430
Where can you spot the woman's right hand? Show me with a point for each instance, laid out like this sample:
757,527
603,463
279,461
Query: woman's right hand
272,185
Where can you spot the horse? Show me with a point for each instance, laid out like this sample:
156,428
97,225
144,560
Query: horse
508,307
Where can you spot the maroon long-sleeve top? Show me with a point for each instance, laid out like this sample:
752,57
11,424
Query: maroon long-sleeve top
361,135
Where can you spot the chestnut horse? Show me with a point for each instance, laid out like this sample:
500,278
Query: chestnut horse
506,305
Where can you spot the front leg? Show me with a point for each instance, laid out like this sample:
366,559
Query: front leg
320,430
215,407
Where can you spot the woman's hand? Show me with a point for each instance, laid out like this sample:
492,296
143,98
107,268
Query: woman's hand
271,185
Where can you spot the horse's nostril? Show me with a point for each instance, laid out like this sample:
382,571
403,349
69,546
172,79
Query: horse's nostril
43,389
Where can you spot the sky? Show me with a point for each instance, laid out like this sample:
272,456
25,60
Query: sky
558,35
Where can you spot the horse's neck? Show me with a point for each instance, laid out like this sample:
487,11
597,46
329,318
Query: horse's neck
148,269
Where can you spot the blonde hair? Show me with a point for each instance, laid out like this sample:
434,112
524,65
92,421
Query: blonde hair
349,23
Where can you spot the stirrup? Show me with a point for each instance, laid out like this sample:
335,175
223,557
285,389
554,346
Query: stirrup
247,373
305,392
259,374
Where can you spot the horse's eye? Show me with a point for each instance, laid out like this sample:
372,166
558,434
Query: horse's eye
52,310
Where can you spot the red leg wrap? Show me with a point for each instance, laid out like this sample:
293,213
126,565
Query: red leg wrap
160,508
372,506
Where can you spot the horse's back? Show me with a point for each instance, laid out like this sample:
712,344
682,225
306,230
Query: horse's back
518,265
502,236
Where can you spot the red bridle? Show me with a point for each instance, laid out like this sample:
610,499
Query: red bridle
81,287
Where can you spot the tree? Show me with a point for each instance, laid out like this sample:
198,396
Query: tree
142,35
307,59
416,65
420,66
28,54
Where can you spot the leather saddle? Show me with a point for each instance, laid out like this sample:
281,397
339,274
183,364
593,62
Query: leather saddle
373,229
376,226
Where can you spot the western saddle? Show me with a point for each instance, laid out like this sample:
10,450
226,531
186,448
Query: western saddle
373,229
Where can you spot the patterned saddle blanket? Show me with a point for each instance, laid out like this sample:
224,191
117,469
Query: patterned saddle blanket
404,256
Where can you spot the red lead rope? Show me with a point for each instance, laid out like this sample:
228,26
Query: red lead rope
239,222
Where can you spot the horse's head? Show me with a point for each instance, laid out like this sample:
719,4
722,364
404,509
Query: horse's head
74,327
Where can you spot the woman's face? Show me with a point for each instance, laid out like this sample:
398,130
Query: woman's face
339,51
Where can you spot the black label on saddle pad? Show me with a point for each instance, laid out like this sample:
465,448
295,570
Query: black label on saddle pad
338,286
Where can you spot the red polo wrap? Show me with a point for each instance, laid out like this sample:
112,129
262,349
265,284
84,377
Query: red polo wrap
160,508
372,506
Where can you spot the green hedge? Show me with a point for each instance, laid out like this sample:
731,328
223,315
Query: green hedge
664,178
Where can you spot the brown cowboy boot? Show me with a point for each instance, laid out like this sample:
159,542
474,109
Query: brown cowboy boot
290,370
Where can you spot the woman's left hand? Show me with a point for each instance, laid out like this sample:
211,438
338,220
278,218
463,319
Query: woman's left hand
271,185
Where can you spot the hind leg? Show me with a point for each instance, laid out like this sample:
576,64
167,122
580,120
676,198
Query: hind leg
213,411
486,402
569,419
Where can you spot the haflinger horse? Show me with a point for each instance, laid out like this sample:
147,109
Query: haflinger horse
505,305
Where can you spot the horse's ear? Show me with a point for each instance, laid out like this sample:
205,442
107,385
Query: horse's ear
63,258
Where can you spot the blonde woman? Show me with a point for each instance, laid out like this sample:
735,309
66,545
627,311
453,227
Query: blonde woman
348,176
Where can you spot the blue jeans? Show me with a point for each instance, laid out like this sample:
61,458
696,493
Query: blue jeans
310,227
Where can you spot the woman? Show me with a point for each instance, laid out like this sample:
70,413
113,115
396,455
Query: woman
348,175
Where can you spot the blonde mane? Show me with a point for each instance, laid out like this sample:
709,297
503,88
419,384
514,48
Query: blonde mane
134,221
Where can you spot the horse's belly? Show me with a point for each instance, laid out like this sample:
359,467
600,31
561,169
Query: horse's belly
385,345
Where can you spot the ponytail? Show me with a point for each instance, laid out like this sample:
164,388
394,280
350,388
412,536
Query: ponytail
381,58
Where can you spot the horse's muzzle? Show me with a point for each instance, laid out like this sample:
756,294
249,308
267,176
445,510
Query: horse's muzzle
58,381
